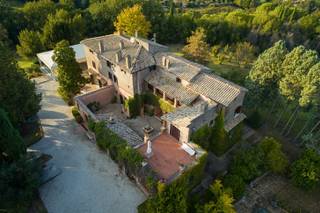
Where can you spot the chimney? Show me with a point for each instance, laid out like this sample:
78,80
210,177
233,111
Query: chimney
154,37
121,44
118,56
128,61
101,47
204,106
136,34
164,61
167,63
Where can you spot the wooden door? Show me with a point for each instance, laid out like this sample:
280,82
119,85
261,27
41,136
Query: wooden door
175,132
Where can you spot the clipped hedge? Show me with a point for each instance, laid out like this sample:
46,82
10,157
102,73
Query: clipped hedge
76,114
117,147
174,197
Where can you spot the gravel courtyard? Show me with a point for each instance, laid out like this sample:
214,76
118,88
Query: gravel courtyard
90,180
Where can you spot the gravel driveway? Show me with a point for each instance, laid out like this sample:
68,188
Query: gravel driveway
89,181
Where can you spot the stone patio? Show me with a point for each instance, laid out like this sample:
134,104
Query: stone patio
138,123
113,111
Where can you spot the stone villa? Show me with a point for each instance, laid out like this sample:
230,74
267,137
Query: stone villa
124,66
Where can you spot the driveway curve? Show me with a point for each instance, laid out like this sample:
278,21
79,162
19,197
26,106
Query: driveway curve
90,180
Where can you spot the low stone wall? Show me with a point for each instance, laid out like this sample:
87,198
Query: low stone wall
103,95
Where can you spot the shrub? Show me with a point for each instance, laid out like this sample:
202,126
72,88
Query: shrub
275,159
76,114
33,71
94,106
248,164
91,124
134,105
216,139
305,172
18,182
235,134
174,197
118,149
165,106
236,184
255,119
202,136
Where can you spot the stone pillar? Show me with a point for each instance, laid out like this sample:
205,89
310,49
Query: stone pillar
146,137
175,102
164,96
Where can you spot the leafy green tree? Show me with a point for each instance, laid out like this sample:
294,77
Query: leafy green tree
263,78
177,28
36,12
11,19
69,72
219,141
223,201
18,183
63,26
197,48
18,95
275,159
102,18
3,35
292,82
267,68
30,44
305,172
12,146
132,20
310,93
155,14
244,53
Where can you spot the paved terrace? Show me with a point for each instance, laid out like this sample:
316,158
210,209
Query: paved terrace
168,157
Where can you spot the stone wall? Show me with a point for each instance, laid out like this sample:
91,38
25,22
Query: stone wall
230,111
103,95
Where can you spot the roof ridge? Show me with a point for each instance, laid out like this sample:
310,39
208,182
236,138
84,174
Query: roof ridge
135,58
98,37
225,81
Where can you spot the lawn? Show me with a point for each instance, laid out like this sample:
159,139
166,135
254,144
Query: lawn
25,63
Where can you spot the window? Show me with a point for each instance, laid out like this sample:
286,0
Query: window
110,76
109,64
169,99
238,110
150,87
153,67
159,93
93,64
115,79
178,80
